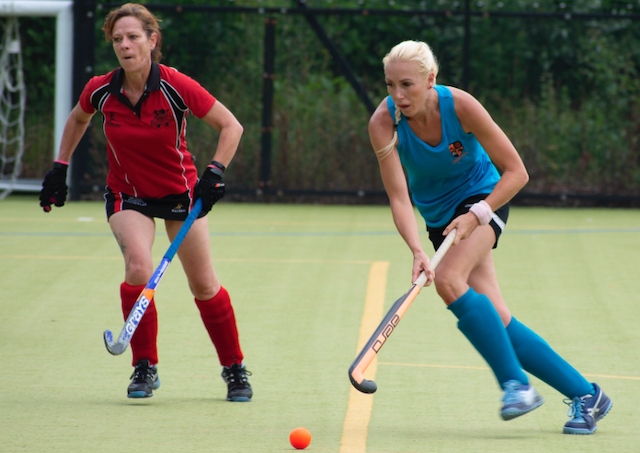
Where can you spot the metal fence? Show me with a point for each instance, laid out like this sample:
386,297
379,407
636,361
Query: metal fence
262,185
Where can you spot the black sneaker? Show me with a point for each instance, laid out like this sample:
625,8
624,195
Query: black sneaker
144,380
238,386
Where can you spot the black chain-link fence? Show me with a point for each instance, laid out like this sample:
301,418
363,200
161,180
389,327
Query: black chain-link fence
560,78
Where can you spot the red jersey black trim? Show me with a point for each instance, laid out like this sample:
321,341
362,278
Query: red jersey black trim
146,143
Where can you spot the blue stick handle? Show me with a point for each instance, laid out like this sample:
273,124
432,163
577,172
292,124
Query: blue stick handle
175,245
193,215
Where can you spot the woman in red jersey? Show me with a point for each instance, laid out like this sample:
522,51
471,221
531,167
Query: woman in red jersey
144,106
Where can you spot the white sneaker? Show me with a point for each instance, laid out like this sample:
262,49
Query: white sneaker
518,399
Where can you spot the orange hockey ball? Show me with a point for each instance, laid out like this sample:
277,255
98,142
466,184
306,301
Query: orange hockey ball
300,438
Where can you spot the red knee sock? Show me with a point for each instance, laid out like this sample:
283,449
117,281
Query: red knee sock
143,342
220,321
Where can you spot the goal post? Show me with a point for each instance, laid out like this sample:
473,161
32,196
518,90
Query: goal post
12,106
62,11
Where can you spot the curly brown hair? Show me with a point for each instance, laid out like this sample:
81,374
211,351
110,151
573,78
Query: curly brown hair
150,24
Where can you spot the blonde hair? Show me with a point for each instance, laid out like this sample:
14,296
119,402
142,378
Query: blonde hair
420,53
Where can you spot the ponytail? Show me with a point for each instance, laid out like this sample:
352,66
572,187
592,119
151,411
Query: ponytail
384,152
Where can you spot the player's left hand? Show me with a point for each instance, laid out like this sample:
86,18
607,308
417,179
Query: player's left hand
465,224
210,188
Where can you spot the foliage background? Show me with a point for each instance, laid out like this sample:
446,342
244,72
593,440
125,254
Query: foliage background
563,86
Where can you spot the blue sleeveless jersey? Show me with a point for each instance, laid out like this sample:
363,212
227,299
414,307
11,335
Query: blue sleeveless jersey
443,176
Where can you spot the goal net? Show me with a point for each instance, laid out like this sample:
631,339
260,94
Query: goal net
12,105
12,85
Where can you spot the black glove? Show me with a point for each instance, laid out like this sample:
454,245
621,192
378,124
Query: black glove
54,187
210,186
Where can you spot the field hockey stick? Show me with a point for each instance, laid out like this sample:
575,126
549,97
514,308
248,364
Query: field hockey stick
389,323
140,307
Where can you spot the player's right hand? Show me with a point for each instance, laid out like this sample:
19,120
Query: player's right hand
421,263
54,187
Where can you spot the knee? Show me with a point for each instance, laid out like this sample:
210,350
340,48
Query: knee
447,286
138,273
204,290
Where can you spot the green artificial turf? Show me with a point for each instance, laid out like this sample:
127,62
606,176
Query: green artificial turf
298,275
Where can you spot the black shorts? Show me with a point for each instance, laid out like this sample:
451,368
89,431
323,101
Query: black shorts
498,221
172,207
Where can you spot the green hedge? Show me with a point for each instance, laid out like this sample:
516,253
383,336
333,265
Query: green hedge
565,90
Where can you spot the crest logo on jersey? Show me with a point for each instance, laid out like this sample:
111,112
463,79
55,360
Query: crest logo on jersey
161,118
457,151
111,120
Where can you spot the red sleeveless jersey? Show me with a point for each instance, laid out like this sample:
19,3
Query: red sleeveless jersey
146,143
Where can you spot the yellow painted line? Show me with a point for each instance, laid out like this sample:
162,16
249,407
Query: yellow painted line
433,365
291,261
225,260
608,376
465,367
58,257
359,407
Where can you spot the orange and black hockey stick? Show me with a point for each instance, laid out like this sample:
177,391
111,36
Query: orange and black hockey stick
389,323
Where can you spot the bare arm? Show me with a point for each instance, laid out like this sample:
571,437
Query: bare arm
54,187
221,119
395,184
74,129
474,118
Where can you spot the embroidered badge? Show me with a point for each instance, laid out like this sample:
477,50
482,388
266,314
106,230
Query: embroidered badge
161,118
457,151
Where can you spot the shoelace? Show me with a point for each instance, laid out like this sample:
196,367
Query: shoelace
141,374
510,393
576,407
238,376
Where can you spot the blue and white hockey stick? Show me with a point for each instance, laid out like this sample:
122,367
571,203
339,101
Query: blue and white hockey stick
137,312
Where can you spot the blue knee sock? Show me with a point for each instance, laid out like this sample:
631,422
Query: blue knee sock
481,324
537,357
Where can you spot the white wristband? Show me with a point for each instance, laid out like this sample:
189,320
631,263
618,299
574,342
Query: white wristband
483,212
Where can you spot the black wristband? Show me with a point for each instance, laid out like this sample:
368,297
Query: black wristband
217,164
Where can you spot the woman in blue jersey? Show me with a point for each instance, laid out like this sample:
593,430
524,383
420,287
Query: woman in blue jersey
449,146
